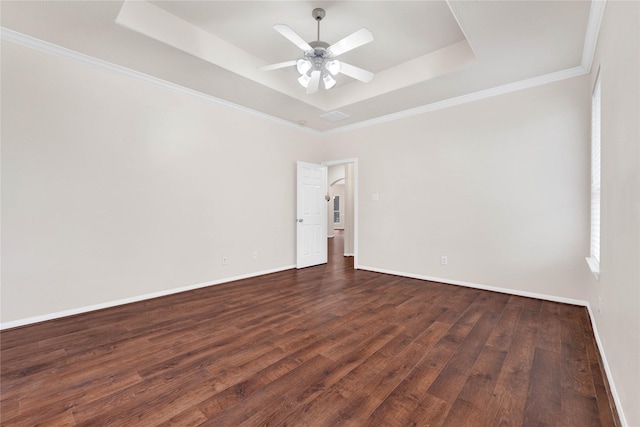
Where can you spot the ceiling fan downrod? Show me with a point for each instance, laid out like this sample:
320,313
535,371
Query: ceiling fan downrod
318,13
318,60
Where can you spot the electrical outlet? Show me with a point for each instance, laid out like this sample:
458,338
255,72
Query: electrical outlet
254,255
225,260
444,260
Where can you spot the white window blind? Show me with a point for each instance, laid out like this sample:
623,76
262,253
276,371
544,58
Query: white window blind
594,261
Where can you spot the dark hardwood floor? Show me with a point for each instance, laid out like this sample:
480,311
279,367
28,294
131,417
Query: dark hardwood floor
322,346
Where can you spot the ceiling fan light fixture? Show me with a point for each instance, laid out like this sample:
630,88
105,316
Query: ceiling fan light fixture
318,61
329,82
333,67
304,80
303,66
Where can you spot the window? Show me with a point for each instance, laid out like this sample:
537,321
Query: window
594,255
336,209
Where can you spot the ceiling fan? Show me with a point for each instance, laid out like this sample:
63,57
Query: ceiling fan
318,61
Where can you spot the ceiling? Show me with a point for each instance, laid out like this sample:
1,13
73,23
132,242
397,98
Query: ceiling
426,54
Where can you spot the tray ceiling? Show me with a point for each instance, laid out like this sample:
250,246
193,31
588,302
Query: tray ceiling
426,54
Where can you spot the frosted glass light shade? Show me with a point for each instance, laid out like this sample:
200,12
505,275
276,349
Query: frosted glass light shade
304,80
333,67
303,65
329,82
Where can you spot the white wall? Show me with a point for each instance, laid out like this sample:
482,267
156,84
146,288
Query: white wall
114,188
618,323
335,173
497,186
348,209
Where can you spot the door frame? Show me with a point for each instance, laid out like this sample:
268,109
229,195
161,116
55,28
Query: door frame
354,161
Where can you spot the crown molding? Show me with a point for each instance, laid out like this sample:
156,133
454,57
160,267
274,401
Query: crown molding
62,52
596,14
475,96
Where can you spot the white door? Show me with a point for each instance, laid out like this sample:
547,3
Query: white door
311,222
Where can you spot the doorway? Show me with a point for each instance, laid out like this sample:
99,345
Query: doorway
345,175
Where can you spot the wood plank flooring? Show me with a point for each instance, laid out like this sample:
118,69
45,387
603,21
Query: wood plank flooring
323,346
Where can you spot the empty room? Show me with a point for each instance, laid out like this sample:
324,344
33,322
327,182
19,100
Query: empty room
332,213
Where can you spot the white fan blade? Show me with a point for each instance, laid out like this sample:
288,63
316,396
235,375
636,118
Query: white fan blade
352,41
292,37
355,72
278,65
314,82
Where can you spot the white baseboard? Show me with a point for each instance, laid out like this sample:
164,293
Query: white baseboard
554,298
94,307
81,310
545,297
607,370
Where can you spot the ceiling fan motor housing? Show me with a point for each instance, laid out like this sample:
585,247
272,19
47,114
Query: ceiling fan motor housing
318,55
318,63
